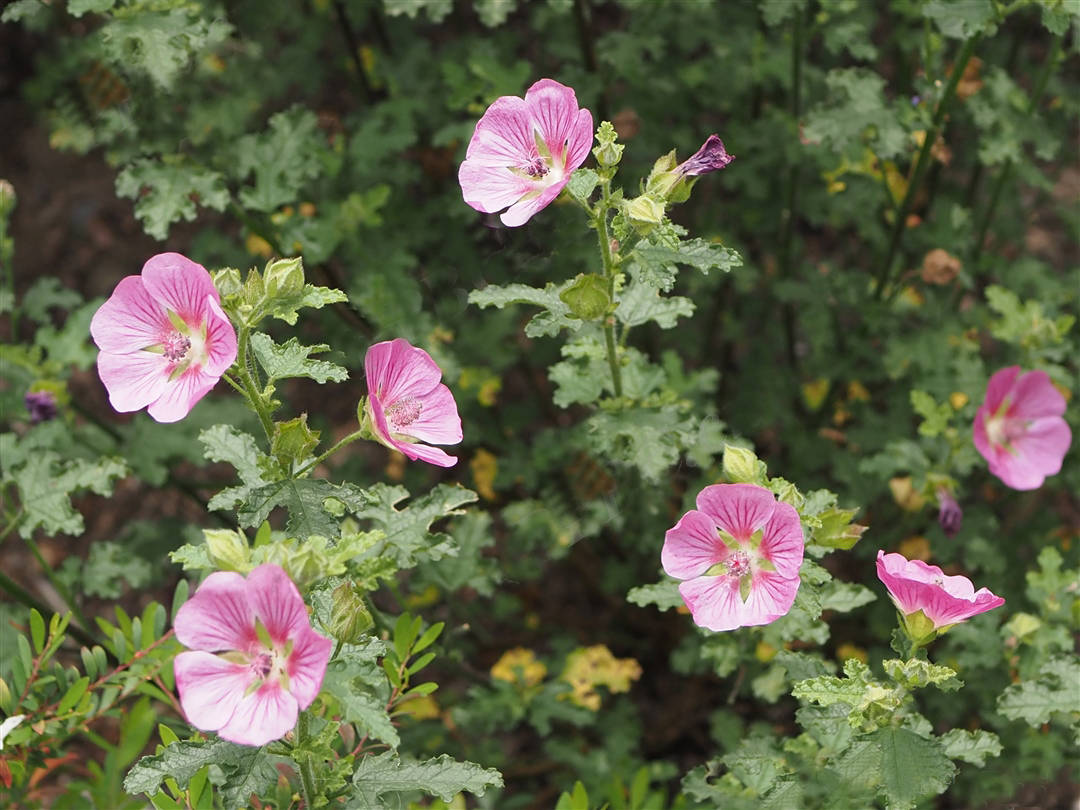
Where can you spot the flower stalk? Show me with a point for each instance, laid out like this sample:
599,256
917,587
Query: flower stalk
921,165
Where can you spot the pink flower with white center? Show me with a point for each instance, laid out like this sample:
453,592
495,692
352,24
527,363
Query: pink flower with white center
523,151
255,662
407,404
739,553
1019,428
929,600
164,339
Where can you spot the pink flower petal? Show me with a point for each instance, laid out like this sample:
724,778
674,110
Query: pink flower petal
554,109
307,665
133,380
692,546
266,715
783,542
131,320
218,617
945,600
739,509
1034,396
210,688
999,387
395,369
438,421
1037,454
491,189
504,135
220,340
521,212
716,604
275,600
423,452
180,284
181,395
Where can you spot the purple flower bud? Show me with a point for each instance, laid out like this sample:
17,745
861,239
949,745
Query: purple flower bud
42,406
710,157
916,101
950,515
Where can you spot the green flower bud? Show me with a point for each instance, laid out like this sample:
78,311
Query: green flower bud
228,550
349,615
741,466
284,277
228,281
587,297
645,211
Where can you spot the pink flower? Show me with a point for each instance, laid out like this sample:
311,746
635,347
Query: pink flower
930,601
739,552
711,157
407,404
272,662
1019,429
523,151
164,339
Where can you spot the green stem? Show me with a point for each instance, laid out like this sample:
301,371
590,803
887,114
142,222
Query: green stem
1006,170
352,437
307,773
250,386
921,165
600,219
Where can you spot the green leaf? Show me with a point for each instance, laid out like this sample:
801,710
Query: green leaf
917,673
76,8
971,746
46,484
293,442
640,303
303,498
443,777
248,770
470,568
226,443
37,630
358,683
282,159
656,263
962,19
647,439
857,113
285,308
913,768
581,185
291,359
1053,691
935,417
72,695
844,597
110,564
664,595
160,44
756,763
165,191
407,531
45,294
555,317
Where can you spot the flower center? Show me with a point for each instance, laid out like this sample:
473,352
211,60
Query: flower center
536,168
262,664
738,564
175,346
403,412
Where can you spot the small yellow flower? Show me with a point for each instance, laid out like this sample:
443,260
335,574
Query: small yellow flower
519,667
905,495
958,400
484,468
589,667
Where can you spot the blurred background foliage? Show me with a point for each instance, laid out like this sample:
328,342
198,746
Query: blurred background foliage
907,227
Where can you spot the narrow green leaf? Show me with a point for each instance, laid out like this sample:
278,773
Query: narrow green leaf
37,630
71,697
428,637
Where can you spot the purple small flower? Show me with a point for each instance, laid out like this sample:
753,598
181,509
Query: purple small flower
42,406
950,515
711,157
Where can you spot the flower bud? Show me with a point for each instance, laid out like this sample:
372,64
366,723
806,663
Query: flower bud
741,466
645,213
42,406
607,152
228,550
284,277
227,281
349,615
950,515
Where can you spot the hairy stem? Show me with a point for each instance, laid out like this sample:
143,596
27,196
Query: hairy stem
600,219
307,773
